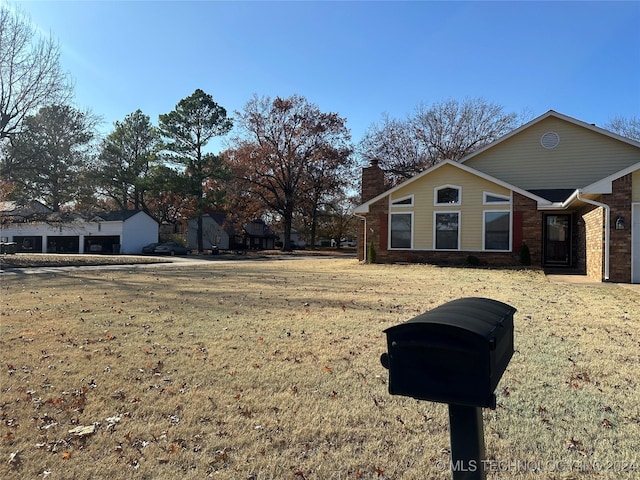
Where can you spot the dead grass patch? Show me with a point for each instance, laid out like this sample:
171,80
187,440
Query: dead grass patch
270,370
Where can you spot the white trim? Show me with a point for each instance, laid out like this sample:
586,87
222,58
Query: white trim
605,185
506,198
394,202
364,241
446,212
510,230
389,246
449,204
635,243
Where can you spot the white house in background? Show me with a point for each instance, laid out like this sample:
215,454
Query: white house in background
42,231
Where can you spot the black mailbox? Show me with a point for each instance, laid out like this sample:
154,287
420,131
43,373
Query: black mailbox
455,353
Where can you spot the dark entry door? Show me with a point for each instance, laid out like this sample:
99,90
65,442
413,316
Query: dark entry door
557,240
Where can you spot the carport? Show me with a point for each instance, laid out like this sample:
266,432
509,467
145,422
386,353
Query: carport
102,244
63,244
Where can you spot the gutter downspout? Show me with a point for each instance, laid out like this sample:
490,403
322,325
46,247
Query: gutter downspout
607,226
364,241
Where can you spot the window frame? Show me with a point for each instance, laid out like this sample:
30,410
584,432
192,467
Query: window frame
395,204
509,231
505,199
411,230
435,229
443,187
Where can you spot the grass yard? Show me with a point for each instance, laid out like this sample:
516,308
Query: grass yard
270,370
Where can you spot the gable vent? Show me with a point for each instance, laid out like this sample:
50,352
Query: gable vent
550,140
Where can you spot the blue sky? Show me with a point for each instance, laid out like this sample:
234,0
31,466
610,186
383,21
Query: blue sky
359,59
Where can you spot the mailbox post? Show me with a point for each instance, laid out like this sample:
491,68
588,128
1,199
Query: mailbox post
454,354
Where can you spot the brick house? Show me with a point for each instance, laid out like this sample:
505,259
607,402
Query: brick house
568,190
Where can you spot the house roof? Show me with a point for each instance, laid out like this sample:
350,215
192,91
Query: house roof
546,198
218,217
116,216
552,113
364,208
554,195
23,209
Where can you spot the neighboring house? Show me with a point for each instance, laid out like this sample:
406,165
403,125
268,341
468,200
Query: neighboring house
44,231
255,235
214,232
568,190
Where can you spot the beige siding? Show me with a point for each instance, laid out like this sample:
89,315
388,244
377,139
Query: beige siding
581,158
471,207
635,186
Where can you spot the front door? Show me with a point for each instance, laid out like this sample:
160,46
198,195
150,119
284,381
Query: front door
557,240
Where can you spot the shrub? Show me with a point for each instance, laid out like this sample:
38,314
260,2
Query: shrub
371,253
525,255
473,260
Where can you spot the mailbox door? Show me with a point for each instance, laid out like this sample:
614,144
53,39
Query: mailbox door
441,364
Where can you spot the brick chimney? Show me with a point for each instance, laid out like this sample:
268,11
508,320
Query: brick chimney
372,181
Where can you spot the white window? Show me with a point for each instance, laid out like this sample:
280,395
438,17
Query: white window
446,230
401,230
403,201
489,198
447,195
497,230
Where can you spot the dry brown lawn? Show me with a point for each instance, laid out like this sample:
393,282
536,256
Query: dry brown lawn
270,370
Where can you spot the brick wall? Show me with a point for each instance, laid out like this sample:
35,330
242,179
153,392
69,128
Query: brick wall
373,182
620,240
591,235
593,220
531,227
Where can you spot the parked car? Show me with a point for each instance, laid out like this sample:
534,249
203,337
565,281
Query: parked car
150,248
171,248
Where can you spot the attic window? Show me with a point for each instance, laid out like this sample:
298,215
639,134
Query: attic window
550,140
447,195
403,201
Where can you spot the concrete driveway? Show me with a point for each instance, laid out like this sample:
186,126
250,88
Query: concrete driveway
584,280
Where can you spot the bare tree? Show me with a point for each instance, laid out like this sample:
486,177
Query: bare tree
627,127
448,130
451,130
30,72
395,145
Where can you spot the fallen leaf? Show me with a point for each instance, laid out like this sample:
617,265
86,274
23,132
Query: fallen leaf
66,455
573,443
